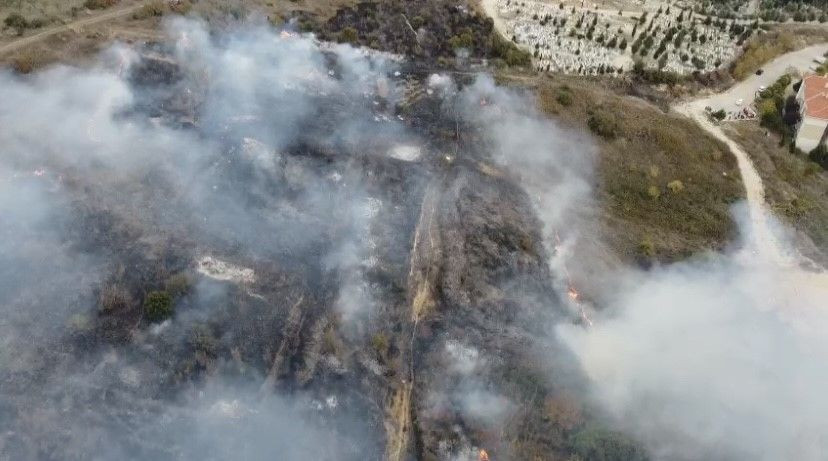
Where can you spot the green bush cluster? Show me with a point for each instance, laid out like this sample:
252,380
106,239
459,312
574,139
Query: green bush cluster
99,4
158,305
16,21
777,113
655,76
599,444
564,96
509,52
603,123
349,35
156,8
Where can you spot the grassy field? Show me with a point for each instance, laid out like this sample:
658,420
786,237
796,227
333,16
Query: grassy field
796,188
664,186
41,11
77,44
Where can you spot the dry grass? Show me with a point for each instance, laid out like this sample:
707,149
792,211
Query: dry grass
79,46
28,61
665,187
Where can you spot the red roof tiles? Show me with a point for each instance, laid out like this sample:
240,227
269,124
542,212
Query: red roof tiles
816,96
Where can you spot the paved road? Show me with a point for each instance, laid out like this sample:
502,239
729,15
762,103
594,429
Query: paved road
46,33
802,60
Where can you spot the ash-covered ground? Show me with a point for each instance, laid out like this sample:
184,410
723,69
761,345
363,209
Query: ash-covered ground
252,245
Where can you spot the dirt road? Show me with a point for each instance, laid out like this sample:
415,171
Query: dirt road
762,240
761,234
74,25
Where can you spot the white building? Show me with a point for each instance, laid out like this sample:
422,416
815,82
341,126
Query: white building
813,102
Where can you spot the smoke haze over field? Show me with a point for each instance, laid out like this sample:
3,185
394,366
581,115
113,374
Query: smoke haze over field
280,161
96,181
719,359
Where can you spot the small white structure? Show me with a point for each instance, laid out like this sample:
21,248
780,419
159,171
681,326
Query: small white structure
813,102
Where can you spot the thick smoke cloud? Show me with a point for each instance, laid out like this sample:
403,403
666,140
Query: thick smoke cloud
711,359
714,358
241,146
248,146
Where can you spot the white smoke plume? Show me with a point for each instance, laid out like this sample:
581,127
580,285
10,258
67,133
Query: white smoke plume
714,358
192,144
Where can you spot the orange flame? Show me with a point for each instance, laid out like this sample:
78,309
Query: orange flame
483,456
573,294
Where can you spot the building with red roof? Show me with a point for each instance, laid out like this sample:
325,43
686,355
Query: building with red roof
813,103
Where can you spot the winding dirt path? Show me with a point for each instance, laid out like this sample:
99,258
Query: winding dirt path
108,15
761,239
761,236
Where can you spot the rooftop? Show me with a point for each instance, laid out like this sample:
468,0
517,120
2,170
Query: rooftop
816,96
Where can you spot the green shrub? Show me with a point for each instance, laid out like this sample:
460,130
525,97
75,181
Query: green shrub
153,9
158,306
564,97
16,21
464,40
509,52
646,248
597,444
348,35
675,186
603,123
379,342
99,4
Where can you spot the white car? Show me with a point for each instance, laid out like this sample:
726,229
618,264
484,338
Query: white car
739,102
